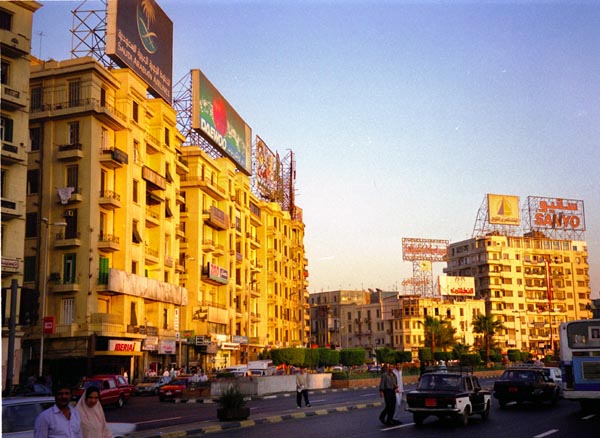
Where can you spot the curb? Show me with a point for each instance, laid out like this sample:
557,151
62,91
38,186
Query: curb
220,427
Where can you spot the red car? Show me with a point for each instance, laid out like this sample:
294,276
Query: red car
114,389
174,389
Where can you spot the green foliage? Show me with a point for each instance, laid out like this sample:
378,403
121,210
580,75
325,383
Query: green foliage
232,398
496,356
425,354
470,359
487,326
403,356
459,349
311,357
265,354
514,355
328,357
352,356
443,355
525,356
439,333
288,356
385,355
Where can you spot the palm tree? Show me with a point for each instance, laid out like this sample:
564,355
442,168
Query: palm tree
438,333
487,326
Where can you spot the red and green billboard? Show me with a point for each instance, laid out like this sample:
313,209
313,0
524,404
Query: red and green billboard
216,120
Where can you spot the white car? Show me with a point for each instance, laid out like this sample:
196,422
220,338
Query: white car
554,374
19,414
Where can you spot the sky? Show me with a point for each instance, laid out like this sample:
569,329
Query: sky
401,115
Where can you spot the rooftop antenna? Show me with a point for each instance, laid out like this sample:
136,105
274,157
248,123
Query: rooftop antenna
41,35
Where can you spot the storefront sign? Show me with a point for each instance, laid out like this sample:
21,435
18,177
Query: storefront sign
150,344
118,345
167,346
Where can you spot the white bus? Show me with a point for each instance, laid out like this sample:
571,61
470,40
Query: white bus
580,361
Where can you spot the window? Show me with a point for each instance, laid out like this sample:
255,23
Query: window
31,225
136,237
73,177
33,181
68,305
136,111
69,273
132,315
136,151
165,319
29,265
36,98
4,72
3,185
74,93
135,191
6,129
73,132
103,270
167,137
5,20
36,138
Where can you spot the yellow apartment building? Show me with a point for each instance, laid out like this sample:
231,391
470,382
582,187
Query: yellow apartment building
15,48
377,319
108,159
244,266
531,283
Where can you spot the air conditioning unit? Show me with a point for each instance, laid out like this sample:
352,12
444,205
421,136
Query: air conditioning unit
69,213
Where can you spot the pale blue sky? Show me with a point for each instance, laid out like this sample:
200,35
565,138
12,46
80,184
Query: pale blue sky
402,115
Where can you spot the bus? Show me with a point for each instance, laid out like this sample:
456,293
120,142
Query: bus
580,361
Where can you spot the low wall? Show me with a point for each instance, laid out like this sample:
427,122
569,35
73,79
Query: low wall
264,385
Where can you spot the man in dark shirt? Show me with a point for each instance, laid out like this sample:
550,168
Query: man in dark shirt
387,389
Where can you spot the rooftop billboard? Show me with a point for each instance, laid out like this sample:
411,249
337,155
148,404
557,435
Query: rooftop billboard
139,35
433,250
267,170
456,286
216,120
556,213
503,210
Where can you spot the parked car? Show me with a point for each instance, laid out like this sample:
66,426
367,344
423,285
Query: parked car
448,394
19,414
151,385
525,384
555,374
37,389
183,388
114,389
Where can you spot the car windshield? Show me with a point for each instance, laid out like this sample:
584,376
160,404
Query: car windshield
518,375
439,382
88,383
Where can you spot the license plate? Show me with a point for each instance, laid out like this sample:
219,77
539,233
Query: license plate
512,389
430,402
168,393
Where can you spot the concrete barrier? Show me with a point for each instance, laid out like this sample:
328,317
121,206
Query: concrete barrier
264,385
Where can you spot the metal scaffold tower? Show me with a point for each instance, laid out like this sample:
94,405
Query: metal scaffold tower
483,227
88,33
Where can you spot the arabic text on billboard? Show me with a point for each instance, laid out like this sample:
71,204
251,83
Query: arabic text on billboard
139,35
457,286
219,123
424,249
503,210
556,213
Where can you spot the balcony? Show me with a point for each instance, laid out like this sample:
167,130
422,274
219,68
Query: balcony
181,166
169,262
106,323
70,152
154,180
152,218
208,245
179,231
11,209
14,45
152,256
113,158
12,154
216,218
105,112
70,287
206,184
110,200
108,242
68,240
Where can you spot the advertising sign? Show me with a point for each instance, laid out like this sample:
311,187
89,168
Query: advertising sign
503,210
457,286
49,325
139,36
118,345
167,346
556,213
267,170
433,250
217,273
219,123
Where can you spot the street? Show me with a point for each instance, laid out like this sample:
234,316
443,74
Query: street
527,421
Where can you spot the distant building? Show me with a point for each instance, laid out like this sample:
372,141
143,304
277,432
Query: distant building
531,283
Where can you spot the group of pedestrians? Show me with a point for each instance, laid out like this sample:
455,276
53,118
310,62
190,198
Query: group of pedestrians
391,388
85,420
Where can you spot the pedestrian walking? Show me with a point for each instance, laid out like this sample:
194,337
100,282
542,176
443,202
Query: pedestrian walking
387,390
59,420
399,391
302,388
93,421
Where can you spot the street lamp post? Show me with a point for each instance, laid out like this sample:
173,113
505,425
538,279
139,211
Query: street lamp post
45,285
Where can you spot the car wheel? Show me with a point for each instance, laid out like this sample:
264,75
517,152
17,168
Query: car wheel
121,401
418,419
156,391
464,418
486,412
555,398
502,403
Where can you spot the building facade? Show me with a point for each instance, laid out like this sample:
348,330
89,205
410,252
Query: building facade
15,47
530,283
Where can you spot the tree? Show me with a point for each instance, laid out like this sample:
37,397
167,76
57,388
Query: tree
439,333
487,326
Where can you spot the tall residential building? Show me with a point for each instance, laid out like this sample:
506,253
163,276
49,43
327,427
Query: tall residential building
377,319
244,265
15,47
108,161
531,283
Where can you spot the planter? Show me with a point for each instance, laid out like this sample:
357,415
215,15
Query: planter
233,414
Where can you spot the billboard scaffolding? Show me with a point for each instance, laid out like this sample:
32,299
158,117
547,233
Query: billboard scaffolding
498,215
423,253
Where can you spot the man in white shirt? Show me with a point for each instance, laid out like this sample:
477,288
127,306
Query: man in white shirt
60,420
399,391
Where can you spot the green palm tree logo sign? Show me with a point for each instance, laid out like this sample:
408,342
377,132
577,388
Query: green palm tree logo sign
146,15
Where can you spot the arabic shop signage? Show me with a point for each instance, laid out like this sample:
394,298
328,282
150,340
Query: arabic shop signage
556,213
